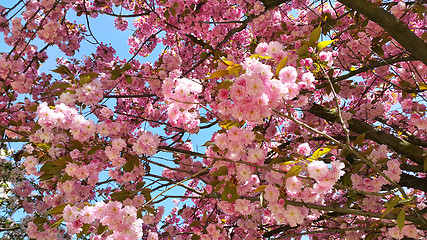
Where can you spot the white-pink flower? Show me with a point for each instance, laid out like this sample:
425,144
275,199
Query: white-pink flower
317,170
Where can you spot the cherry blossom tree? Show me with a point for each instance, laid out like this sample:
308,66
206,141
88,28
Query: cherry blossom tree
310,117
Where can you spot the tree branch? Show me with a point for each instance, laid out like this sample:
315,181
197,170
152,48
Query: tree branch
400,146
394,26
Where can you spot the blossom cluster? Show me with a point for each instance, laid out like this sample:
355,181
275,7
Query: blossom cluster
62,117
182,96
253,95
147,143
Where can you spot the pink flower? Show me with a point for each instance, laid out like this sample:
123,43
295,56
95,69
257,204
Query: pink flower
87,215
223,94
288,74
317,170
295,215
70,213
147,143
243,206
71,169
152,236
256,155
243,172
293,185
411,231
271,193
113,208
107,112
395,232
303,149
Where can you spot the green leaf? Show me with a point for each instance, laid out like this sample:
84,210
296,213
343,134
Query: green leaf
359,140
195,224
225,84
303,50
129,166
87,78
57,223
401,219
65,178
166,14
229,189
140,185
146,192
122,195
294,171
33,107
235,69
58,209
259,137
259,189
75,144
229,124
378,49
85,229
94,149
265,57
315,35
219,73
195,237
255,56
62,69
39,221
126,67
323,44
208,143
47,167
62,161
115,73
281,65
128,79
390,204
150,209
204,55
223,170
287,163
43,146
61,85
102,229
226,62
277,160
320,152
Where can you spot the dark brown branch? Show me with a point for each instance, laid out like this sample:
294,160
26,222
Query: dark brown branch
131,96
413,182
394,26
8,229
400,146
365,69
273,3
356,212
145,13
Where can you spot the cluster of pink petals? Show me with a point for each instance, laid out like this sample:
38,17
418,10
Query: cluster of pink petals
147,143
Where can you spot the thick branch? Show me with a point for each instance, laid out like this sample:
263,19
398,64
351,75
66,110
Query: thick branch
273,3
413,182
131,96
394,26
366,68
400,146
356,212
